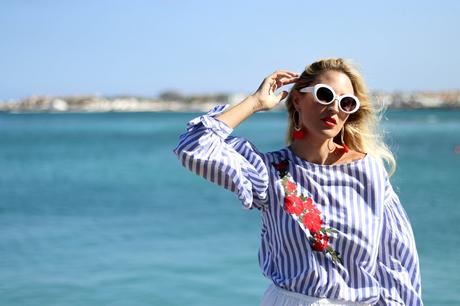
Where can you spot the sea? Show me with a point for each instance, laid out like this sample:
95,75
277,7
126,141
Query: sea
95,209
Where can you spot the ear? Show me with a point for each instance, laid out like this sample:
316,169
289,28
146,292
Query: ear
296,97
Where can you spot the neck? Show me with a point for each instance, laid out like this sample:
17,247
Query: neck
316,151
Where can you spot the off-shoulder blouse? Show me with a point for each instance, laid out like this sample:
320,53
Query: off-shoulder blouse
379,261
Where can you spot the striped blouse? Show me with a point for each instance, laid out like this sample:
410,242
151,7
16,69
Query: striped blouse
374,237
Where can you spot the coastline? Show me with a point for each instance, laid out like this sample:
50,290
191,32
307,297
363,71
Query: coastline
174,102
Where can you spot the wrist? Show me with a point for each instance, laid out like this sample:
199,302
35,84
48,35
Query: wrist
254,103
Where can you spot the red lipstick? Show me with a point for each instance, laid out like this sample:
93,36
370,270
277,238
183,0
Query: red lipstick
329,121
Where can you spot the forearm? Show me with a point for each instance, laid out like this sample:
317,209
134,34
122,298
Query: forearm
240,112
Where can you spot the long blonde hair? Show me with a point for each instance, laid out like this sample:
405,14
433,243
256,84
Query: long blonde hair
362,130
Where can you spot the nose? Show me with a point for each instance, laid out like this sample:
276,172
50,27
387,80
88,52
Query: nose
334,106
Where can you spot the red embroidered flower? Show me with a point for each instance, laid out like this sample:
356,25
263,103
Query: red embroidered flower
308,204
293,204
312,221
321,242
308,214
291,187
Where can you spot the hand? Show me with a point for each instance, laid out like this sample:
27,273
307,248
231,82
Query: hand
265,94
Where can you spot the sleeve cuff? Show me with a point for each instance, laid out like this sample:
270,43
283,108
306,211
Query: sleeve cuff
208,121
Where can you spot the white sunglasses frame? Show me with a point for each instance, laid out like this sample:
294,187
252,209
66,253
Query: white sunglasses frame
314,89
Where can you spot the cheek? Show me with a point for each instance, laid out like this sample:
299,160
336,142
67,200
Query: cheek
311,108
309,114
343,118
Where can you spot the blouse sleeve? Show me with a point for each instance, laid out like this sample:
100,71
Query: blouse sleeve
231,162
398,269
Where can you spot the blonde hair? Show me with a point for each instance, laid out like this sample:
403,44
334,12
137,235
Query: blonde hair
362,132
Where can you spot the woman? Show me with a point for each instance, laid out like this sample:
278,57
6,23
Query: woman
333,229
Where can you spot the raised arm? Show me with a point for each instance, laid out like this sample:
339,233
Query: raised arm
263,99
234,163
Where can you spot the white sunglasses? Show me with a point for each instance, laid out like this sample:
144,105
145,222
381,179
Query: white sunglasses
325,95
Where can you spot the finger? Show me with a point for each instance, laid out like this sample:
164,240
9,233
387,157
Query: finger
273,87
282,95
293,73
278,74
286,71
285,81
291,80
267,84
272,82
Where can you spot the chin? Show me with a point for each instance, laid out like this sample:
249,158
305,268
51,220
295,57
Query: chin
329,132
325,133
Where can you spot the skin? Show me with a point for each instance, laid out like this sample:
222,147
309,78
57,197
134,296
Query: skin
317,146
314,147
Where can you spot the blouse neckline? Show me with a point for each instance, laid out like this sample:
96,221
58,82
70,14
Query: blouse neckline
306,162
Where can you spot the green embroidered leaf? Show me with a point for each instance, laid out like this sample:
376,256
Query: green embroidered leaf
330,230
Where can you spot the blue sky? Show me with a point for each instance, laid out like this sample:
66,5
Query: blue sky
147,47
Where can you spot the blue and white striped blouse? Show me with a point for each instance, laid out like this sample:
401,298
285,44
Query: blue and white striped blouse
375,239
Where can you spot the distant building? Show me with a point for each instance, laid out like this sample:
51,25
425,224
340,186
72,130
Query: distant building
175,101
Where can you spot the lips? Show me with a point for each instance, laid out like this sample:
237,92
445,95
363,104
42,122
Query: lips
329,120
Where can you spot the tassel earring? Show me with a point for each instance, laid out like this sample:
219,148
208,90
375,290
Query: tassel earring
298,132
345,147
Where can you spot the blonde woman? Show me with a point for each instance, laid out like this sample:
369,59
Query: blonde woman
333,229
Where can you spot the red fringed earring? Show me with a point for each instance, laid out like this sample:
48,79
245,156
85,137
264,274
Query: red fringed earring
345,147
298,132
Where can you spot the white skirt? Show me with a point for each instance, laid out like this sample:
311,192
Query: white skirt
276,296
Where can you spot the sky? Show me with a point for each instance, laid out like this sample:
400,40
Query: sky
144,48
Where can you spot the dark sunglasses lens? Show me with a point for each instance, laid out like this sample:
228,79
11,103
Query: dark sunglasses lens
348,104
324,94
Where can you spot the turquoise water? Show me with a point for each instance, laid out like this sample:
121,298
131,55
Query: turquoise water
96,210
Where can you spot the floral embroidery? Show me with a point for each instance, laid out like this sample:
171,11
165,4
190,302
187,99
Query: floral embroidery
303,210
